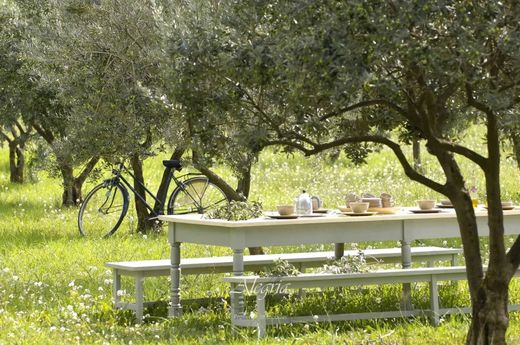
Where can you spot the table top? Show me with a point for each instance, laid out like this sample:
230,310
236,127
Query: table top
403,214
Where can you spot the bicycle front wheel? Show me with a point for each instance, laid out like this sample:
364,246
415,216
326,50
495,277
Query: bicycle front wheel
196,195
103,210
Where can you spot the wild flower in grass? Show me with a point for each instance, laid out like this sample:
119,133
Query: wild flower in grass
71,284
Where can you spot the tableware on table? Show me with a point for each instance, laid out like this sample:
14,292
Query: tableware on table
387,200
505,208
446,203
373,202
313,215
304,204
285,210
321,210
431,210
358,214
426,204
344,208
316,203
506,203
351,197
275,215
359,207
474,196
383,210
444,206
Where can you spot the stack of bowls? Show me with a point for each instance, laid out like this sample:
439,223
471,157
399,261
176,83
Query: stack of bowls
373,202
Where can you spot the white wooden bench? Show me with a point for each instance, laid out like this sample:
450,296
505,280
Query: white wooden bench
224,264
262,286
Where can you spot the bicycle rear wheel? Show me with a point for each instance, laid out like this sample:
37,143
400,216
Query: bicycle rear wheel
103,210
196,195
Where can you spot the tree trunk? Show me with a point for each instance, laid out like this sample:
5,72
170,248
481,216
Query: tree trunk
489,320
143,222
16,162
162,191
72,186
71,193
244,182
416,149
516,147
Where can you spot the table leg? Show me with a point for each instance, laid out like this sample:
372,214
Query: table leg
237,298
406,256
139,299
116,288
339,250
176,308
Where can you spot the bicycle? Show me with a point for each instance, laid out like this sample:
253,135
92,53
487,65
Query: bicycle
105,206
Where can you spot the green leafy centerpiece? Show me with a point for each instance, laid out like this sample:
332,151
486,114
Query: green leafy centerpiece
236,210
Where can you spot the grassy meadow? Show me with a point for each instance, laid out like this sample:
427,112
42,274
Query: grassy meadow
54,288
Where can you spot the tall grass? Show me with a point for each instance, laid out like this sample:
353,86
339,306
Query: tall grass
54,287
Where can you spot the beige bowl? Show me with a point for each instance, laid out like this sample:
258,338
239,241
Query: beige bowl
426,204
507,203
285,210
446,203
359,207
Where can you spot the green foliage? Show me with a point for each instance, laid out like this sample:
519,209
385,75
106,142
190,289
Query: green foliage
236,210
280,268
347,264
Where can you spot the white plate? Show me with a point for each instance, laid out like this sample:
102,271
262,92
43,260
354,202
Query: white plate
425,211
276,215
358,214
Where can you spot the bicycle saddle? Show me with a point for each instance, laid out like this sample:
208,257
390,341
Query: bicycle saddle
174,163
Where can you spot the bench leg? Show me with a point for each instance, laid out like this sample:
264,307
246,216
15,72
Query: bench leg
434,302
261,318
339,250
176,308
139,298
116,287
454,260
237,304
406,256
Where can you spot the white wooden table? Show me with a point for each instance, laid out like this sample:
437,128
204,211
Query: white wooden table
403,226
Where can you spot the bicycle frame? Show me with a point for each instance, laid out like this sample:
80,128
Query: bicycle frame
119,178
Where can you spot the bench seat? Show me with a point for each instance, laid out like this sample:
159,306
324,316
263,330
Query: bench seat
261,286
224,264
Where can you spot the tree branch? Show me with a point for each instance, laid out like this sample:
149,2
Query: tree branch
6,137
47,135
513,256
463,151
395,147
86,171
361,105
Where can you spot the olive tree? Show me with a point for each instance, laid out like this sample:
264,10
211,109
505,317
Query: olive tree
13,130
353,74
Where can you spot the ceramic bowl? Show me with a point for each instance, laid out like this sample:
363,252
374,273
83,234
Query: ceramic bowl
446,203
373,202
426,204
359,207
507,203
285,210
